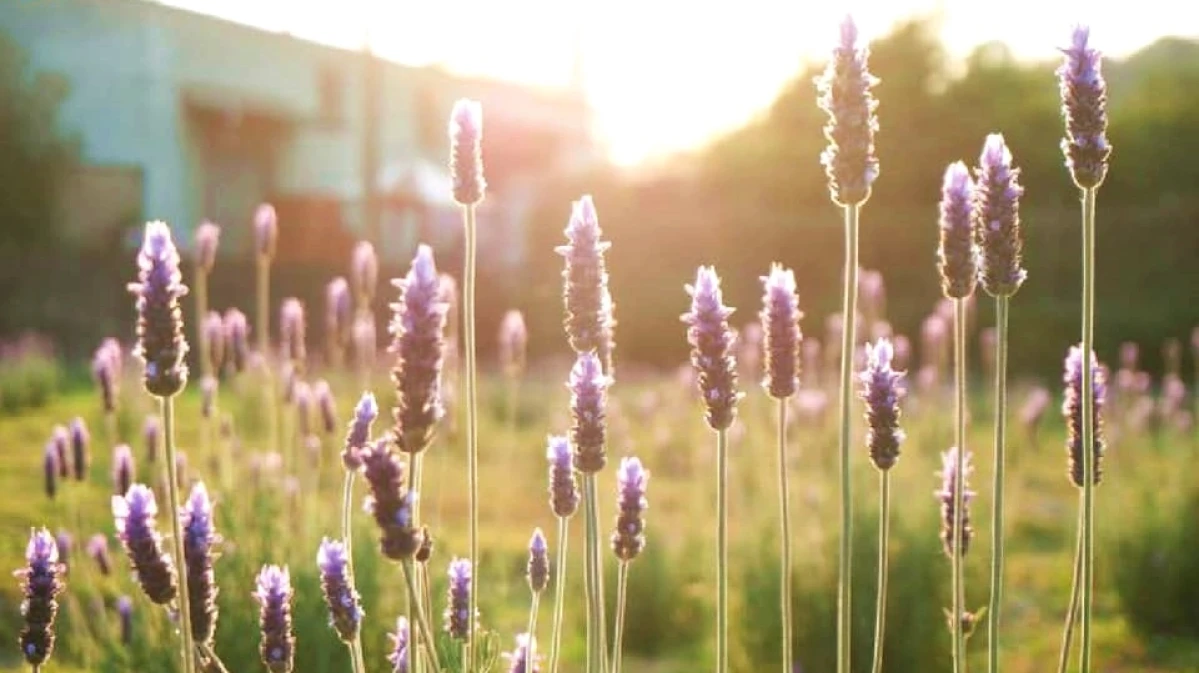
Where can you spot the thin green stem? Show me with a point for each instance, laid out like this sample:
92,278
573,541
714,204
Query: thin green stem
997,526
472,421
418,470
214,662
1088,422
849,310
411,606
264,350
959,370
347,500
884,535
722,551
559,593
167,408
595,622
425,637
532,647
1063,659
201,288
785,535
622,585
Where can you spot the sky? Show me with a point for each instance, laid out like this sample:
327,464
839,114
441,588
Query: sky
668,75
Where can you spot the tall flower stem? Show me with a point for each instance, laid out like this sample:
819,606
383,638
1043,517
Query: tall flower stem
263,324
622,585
1088,422
1001,341
849,309
356,658
533,626
785,535
559,593
201,287
422,581
167,409
884,534
595,597
722,551
411,606
472,417
426,634
1063,659
959,371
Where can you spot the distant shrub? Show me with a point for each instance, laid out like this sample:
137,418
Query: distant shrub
29,374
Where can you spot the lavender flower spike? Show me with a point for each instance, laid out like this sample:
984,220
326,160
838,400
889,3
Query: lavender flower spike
266,231
339,312
390,502
588,399
1072,410
957,256
345,608
41,582
628,540
399,651
198,556
364,272
358,435
949,518
122,469
518,659
849,161
61,438
134,514
781,338
325,405
418,331
237,339
466,152
585,279
208,235
1084,103
564,489
996,219
214,340
457,611
125,611
882,388
50,468
711,341
80,439
292,329
97,549
274,595
538,570
161,344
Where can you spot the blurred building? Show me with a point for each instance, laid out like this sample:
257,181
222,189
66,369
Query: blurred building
185,117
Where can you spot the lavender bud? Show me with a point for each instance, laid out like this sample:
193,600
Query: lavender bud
208,392
134,514
882,388
80,439
107,380
364,271
425,551
956,257
214,340
513,342
208,235
399,650
302,398
41,582
50,469
365,413
61,438
390,502
418,331
364,340
123,470
198,540
588,399
538,569
457,612
152,436
325,406
1072,410
339,312
125,611
466,152
237,339
628,539
292,329
781,336
849,161
1084,103
274,596
996,219
711,341
161,344
266,231
518,659
564,490
97,549
345,609
949,487
584,278
65,544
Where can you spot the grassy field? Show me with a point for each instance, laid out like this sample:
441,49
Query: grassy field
266,516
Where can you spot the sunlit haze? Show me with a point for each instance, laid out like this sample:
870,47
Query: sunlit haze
667,75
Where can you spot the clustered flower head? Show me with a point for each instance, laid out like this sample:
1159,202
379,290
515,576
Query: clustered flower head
518,659
161,344
106,370
956,256
399,651
199,537
950,518
364,272
61,438
339,312
458,622
996,219
266,231
882,388
41,582
1084,103
564,489
134,514
418,331
237,339
345,608
1072,411
326,406
274,595
123,469
628,538
711,341
80,439
588,400
50,469
292,330
538,570
208,235
390,502
466,152
781,336
359,433
849,161
585,279
214,340
97,549
125,612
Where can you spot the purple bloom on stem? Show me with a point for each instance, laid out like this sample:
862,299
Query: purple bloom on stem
61,439
882,388
711,341
161,344
996,219
844,88
152,435
390,502
237,339
326,406
266,230
518,659
208,235
41,582
781,336
214,340
399,651
418,331
106,372
50,469
208,393
585,279
538,569
123,469
134,514
359,433
588,399
364,271
339,312
198,540
949,487
97,549
957,256
628,539
1072,411
125,611
1084,103
457,611
292,329
466,152
65,544
564,489
274,596
345,608
80,439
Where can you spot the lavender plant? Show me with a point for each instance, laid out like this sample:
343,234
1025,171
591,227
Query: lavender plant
339,316
345,606
274,595
199,538
42,579
266,236
80,441
400,642
564,501
207,238
134,515
538,575
628,539
123,472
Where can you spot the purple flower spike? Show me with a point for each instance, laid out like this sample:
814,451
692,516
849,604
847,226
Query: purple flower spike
208,394
123,469
50,469
466,152
1084,103
326,406
418,331
274,596
399,651
345,608
882,388
781,336
97,549
585,279
134,514
364,272
198,540
365,413
214,340
628,540
588,400
208,236
61,438
711,341
266,231
237,339
1072,410
957,256
104,371
339,312
41,582
996,219
457,611
292,329
125,611
564,490
390,502
80,440
65,545
518,659
160,341
949,486
152,435
849,161
538,570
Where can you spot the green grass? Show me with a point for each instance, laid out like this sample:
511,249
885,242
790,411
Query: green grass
670,623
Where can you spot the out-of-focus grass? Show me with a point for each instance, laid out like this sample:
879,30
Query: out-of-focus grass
263,519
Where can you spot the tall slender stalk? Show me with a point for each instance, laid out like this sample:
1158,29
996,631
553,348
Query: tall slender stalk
785,535
622,585
472,418
411,606
1088,421
959,370
884,534
347,499
201,288
167,409
426,634
532,647
595,599
997,526
722,551
264,339
1063,659
849,309
422,582
559,593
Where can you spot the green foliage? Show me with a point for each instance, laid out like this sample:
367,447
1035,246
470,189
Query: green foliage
28,382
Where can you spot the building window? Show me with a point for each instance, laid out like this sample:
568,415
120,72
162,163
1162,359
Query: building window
331,95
